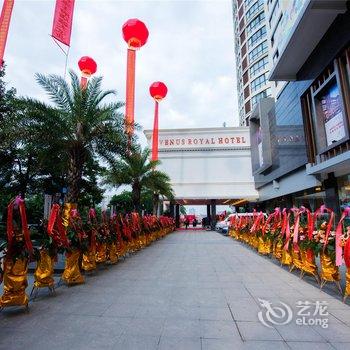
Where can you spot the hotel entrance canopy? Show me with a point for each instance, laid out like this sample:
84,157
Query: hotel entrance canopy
207,163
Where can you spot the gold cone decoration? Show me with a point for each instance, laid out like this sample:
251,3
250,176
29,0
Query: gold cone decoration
88,262
112,253
308,263
287,258
297,262
278,250
264,246
44,271
329,272
71,274
347,285
121,249
101,253
15,283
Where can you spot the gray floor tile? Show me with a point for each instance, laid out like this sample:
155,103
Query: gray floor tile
180,328
215,313
176,294
178,343
311,346
222,344
257,331
219,329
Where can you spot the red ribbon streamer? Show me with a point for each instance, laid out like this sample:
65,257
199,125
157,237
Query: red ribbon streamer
155,133
4,26
52,218
130,92
347,253
83,82
286,230
25,230
55,219
297,213
338,233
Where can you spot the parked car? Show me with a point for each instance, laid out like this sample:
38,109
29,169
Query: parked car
220,225
223,226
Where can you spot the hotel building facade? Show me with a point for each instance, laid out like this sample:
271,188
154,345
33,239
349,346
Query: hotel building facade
300,141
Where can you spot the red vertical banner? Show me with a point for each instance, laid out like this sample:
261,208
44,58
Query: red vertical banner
4,26
62,21
130,92
155,134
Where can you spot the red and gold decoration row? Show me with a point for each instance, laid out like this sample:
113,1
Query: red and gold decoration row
296,237
85,244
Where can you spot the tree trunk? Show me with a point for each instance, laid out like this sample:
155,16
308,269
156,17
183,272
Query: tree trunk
155,203
75,173
136,197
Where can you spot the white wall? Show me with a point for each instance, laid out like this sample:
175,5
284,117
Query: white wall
217,170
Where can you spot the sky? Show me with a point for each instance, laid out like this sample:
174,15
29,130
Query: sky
190,48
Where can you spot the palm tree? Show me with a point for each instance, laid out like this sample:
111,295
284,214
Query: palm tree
135,169
160,186
82,125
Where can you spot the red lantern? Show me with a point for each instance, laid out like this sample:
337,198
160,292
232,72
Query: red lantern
135,33
88,66
158,90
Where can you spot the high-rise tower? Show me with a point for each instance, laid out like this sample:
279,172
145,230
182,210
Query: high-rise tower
252,55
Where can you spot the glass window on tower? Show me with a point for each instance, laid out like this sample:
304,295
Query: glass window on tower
258,66
257,7
247,3
258,51
257,36
258,83
256,22
256,98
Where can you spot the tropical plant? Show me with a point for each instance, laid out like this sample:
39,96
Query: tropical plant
123,202
81,126
135,169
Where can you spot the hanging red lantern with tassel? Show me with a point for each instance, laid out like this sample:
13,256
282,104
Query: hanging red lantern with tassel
88,67
135,33
158,91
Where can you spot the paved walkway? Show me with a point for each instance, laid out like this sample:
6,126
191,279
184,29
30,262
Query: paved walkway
193,290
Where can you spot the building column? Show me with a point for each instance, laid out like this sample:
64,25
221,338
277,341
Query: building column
172,209
177,215
208,215
213,214
332,195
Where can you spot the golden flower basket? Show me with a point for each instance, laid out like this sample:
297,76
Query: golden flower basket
15,283
43,273
101,253
71,274
89,260
329,271
278,249
287,258
112,253
308,264
264,246
297,262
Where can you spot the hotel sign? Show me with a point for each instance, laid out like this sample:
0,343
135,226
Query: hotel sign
224,141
